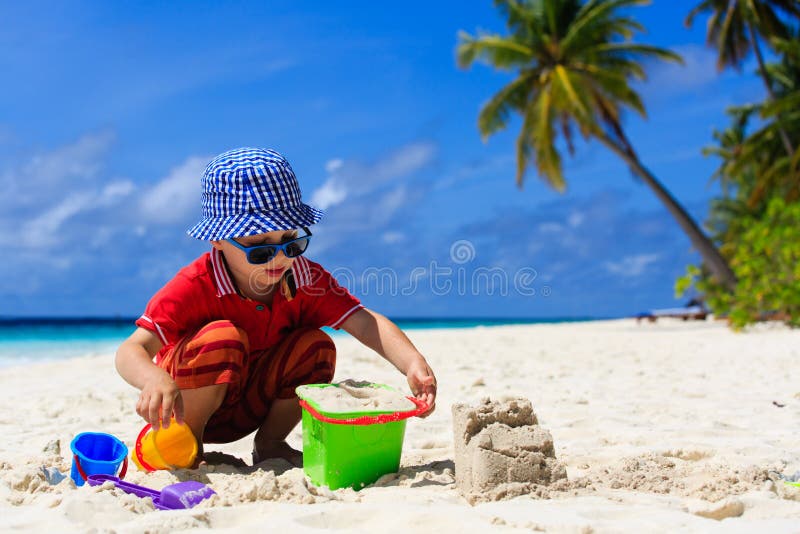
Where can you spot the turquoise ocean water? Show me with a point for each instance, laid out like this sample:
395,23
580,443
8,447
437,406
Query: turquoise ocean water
33,340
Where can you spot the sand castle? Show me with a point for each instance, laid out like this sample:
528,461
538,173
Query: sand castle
501,451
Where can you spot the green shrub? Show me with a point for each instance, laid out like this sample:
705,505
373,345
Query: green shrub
765,256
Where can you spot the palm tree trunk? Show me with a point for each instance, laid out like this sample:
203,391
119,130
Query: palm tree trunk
715,262
762,69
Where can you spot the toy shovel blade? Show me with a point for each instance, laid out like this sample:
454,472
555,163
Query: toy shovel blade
173,497
183,495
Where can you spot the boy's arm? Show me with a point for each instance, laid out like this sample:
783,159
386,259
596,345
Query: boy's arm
160,396
384,337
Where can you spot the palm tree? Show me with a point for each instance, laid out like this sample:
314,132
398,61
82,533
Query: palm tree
759,164
575,63
737,175
735,26
781,173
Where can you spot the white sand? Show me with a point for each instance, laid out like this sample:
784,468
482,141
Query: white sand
663,427
356,395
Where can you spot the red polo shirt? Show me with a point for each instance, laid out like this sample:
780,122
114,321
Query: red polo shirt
204,291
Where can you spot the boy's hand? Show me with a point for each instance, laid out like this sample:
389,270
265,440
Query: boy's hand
160,398
423,384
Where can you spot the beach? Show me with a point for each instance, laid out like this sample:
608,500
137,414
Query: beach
662,427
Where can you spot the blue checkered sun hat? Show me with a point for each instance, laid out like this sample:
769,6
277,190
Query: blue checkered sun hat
249,191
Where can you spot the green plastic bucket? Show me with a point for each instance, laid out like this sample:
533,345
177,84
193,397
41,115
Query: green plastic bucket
351,449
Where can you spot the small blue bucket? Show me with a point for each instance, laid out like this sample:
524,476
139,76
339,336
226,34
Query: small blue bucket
96,453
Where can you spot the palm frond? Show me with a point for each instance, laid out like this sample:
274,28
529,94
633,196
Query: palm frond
703,6
766,21
575,102
498,51
594,15
541,134
638,50
615,89
624,67
520,15
494,115
735,48
785,107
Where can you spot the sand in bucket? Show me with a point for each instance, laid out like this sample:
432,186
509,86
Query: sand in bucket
174,447
350,396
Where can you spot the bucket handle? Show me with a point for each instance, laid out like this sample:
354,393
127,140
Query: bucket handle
138,449
82,473
421,405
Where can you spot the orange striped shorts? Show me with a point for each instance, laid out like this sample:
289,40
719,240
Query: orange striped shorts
219,353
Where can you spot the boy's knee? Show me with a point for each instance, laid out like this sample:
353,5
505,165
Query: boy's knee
316,342
312,346
215,343
220,330
315,335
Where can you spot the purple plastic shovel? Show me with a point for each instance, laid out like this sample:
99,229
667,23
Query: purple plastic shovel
173,497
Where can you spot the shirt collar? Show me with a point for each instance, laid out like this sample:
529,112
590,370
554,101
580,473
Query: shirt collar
221,277
301,271
225,286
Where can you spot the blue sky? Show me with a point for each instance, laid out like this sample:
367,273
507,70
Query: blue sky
110,112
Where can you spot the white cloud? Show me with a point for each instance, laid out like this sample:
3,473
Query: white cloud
42,229
176,196
388,204
351,179
65,197
499,168
81,158
47,225
45,177
406,160
101,236
392,237
329,194
699,69
45,190
575,219
115,191
631,266
333,165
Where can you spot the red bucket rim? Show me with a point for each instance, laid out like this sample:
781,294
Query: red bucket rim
421,407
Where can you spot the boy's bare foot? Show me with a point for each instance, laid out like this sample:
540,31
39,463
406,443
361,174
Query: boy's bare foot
265,450
199,460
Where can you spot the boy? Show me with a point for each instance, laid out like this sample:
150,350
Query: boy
235,331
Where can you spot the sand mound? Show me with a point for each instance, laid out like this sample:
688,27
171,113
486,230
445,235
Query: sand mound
668,474
500,450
